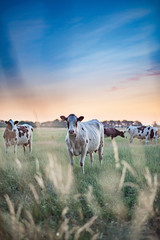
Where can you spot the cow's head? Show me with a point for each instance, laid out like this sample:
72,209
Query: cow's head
11,126
72,122
122,134
127,130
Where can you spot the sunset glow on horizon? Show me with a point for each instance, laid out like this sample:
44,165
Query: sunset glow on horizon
97,60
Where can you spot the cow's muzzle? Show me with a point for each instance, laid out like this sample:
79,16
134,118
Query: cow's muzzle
71,132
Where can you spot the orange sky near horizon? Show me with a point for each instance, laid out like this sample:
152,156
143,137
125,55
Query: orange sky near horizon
132,102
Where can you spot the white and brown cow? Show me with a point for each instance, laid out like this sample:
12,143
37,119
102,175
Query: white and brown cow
142,132
112,132
17,135
84,138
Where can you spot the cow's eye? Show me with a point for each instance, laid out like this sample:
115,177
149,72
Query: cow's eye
68,124
9,126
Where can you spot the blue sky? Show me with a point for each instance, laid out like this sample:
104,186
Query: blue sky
78,53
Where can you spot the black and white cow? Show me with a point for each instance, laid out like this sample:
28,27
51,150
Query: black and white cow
142,132
17,135
84,138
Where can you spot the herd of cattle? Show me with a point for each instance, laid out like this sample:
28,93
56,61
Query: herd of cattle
82,137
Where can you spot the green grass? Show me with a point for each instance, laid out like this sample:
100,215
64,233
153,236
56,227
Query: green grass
42,198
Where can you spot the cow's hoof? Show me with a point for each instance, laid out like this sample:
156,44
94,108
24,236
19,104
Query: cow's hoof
81,164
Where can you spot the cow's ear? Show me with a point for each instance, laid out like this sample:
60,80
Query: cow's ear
80,118
63,118
6,122
16,122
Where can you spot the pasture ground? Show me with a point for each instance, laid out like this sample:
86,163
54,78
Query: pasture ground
42,197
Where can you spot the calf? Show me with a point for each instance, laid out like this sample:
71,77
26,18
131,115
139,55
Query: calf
84,138
17,135
142,132
112,132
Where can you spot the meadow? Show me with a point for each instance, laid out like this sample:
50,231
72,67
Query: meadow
42,197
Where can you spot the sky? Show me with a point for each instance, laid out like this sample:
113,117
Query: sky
99,59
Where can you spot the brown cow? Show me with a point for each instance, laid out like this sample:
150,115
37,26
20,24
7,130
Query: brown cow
17,135
112,132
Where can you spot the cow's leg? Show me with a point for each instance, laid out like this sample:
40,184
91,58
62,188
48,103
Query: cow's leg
30,145
146,139
156,137
7,150
71,157
91,158
100,153
24,149
131,139
100,150
83,155
15,149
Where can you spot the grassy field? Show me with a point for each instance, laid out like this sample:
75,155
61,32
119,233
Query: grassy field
42,197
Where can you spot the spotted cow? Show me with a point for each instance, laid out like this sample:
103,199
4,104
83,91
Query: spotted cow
142,132
84,138
17,135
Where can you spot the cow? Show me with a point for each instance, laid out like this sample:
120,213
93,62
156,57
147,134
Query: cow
142,132
83,138
17,135
112,132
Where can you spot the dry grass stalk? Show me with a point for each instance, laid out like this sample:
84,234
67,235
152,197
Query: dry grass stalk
144,207
95,236
126,166
148,177
92,202
10,205
19,212
60,175
116,156
19,165
32,231
122,178
30,218
35,194
64,227
37,165
85,227
17,229
130,169
40,181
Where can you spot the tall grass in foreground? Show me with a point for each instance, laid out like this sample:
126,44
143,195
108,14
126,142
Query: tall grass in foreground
42,197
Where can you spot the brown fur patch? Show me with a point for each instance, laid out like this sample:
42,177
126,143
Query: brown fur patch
22,130
9,135
141,128
152,134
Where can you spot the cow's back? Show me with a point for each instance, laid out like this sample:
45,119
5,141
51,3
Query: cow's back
24,134
93,127
110,132
94,132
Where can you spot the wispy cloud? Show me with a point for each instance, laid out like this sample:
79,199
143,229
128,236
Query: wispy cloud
139,77
114,89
